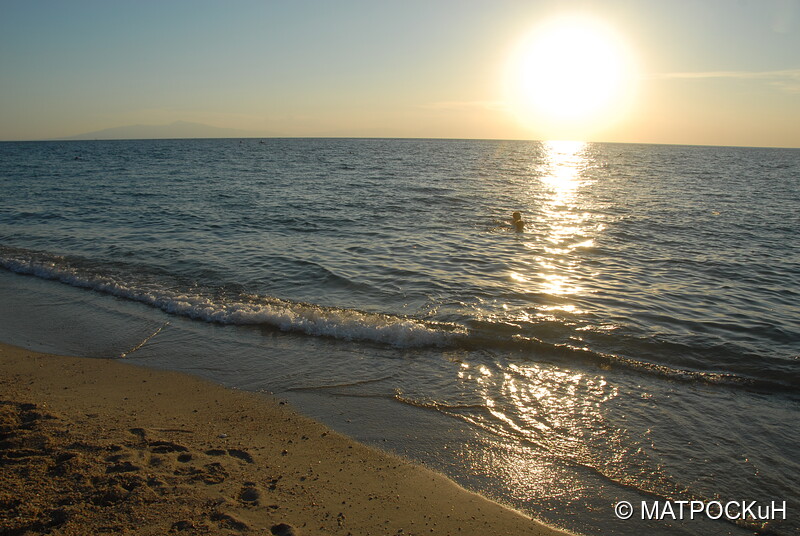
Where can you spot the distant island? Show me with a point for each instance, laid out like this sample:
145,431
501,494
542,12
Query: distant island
176,130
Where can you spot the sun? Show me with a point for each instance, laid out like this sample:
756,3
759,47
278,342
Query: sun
570,75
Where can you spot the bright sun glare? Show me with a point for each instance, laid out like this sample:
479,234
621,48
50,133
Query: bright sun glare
570,76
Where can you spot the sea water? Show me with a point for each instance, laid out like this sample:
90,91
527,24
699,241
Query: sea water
638,341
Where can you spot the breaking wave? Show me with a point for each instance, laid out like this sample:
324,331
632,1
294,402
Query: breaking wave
221,306
232,307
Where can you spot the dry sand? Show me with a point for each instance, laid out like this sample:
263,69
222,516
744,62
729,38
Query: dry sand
91,446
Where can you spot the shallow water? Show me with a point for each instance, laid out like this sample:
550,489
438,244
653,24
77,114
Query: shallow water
638,341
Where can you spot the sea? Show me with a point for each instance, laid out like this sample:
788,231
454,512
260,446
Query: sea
628,363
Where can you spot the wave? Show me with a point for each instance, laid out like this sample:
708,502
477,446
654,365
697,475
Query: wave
233,307
240,308
767,380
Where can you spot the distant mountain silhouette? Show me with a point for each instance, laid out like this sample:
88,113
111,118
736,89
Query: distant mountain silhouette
176,130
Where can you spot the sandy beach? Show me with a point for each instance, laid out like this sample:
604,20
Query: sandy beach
93,446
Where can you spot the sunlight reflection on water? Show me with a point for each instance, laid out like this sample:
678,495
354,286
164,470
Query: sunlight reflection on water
564,221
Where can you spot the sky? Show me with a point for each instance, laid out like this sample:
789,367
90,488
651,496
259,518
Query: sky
699,72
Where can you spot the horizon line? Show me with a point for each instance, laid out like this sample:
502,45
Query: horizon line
420,138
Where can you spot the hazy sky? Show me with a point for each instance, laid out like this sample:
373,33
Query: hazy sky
698,71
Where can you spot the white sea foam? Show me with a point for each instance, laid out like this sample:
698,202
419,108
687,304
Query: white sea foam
346,324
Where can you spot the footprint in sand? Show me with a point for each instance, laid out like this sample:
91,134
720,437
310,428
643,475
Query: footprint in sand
236,453
241,454
250,494
165,447
284,529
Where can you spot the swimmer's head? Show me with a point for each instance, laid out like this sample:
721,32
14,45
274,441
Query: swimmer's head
516,216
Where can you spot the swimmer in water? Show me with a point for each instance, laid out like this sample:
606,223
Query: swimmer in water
517,222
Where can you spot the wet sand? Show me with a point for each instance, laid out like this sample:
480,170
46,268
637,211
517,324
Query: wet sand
96,446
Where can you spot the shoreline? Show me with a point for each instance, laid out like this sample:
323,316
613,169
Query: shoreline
104,446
